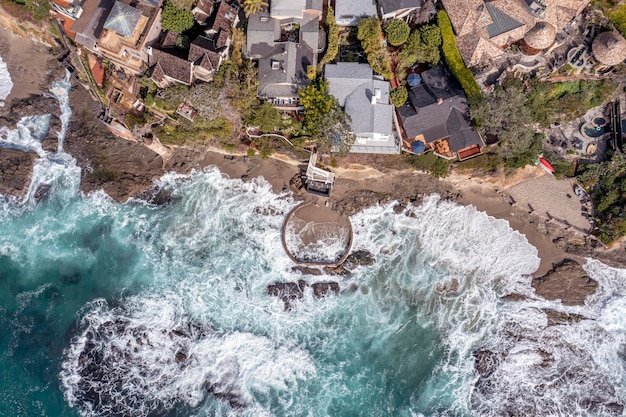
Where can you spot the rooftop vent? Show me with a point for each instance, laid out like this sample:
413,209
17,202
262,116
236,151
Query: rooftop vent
275,65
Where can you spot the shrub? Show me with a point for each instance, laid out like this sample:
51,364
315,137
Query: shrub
149,100
430,163
175,19
266,117
454,60
332,47
227,146
397,32
399,96
370,34
250,152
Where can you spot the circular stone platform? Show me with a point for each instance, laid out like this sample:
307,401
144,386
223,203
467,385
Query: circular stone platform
316,236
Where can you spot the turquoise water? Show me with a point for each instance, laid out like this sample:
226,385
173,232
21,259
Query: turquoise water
133,310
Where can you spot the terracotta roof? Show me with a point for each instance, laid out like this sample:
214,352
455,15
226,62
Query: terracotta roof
541,36
203,10
223,18
609,48
202,53
169,40
97,70
171,65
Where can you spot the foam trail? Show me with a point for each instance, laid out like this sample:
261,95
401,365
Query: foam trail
6,84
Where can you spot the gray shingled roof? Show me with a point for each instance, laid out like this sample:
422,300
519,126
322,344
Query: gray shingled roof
353,85
262,34
293,8
346,9
123,19
283,70
388,6
345,77
424,115
502,22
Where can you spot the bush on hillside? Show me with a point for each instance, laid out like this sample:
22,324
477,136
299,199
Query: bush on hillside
454,60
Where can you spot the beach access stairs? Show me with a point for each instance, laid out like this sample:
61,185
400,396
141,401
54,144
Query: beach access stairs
317,180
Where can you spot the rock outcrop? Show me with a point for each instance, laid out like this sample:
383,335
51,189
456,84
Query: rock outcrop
16,169
292,291
566,281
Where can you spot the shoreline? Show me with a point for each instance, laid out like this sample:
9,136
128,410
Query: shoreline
356,188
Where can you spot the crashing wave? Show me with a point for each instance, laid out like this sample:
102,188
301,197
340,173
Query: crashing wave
146,356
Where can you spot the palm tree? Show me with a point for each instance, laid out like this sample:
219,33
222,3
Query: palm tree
254,6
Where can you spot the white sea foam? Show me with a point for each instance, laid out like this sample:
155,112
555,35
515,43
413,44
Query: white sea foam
146,356
331,240
6,84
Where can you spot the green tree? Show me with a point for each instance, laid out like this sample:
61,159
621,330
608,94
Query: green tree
324,119
175,19
254,6
422,46
454,60
504,114
332,48
316,101
266,117
399,96
370,33
397,32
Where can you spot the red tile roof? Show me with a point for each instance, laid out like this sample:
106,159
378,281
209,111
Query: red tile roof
98,73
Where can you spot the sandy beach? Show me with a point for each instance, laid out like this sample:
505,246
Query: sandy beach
29,64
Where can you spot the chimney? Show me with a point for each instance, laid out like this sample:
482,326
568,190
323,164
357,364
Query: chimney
376,96
439,100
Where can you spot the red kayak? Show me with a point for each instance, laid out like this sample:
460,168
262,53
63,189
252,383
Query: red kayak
546,165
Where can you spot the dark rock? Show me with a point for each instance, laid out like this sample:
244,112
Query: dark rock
42,191
566,281
181,357
486,361
359,258
558,317
514,297
306,270
50,143
336,270
445,288
156,195
321,289
287,291
16,170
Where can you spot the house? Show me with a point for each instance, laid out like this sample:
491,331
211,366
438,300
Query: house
202,11
397,9
285,47
286,9
204,58
170,66
484,29
66,12
118,31
437,114
206,53
350,12
365,98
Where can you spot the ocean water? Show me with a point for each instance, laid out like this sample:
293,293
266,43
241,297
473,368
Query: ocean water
134,310
6,84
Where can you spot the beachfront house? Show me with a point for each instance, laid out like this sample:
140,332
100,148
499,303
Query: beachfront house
484,29
169,64
365,98
398,9
119,31
350,12
437,115
285,42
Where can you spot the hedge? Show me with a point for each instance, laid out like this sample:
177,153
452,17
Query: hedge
454,60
